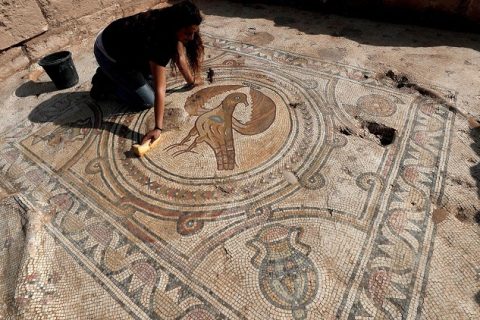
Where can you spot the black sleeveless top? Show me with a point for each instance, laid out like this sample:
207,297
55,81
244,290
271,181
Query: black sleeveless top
134,41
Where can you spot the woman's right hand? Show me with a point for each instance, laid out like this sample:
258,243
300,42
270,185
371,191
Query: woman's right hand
152,135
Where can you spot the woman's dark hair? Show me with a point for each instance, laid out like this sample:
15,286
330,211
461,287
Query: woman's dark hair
169,20
185,14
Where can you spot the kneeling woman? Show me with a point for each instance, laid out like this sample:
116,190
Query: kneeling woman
131,50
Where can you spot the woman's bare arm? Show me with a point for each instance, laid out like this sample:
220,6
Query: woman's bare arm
160,85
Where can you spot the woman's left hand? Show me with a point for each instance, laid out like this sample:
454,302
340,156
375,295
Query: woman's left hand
152,135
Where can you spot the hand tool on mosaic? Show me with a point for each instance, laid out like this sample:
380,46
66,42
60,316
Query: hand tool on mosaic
210,74
141,149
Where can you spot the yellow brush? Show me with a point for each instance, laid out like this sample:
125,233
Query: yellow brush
141,149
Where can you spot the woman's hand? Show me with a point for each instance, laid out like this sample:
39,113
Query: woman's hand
152,135
188,86
198,81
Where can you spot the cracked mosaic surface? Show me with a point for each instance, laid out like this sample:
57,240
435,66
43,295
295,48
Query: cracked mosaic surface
254,204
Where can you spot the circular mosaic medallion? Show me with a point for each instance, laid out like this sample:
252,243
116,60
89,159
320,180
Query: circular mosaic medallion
377,105
235,140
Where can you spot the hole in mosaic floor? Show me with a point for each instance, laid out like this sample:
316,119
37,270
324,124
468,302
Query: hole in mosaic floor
401,81
461,216
477,217
346,131
477,297
384,133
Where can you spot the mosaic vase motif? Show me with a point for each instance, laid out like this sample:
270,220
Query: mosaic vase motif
288,278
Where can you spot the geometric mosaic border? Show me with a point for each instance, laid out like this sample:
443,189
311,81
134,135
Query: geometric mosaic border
387,281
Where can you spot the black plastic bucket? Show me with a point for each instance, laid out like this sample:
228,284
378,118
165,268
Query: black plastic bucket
60,68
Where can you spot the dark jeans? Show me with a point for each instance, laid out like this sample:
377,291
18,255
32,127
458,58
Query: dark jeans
130,85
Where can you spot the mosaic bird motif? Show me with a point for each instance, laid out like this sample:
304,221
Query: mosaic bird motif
215,126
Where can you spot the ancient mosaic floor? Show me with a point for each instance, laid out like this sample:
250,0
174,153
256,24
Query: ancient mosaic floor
272,195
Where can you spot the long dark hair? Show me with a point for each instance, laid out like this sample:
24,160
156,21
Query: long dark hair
194,50
188,15
172,19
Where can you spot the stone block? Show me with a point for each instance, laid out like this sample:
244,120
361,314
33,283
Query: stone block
20,20
11,61
131,7
90,25
162,4
59,11
49,43
449,6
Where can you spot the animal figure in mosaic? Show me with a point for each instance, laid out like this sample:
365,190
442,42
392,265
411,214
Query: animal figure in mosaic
215,126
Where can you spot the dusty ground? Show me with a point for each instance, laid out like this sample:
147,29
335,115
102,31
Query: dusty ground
349,187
